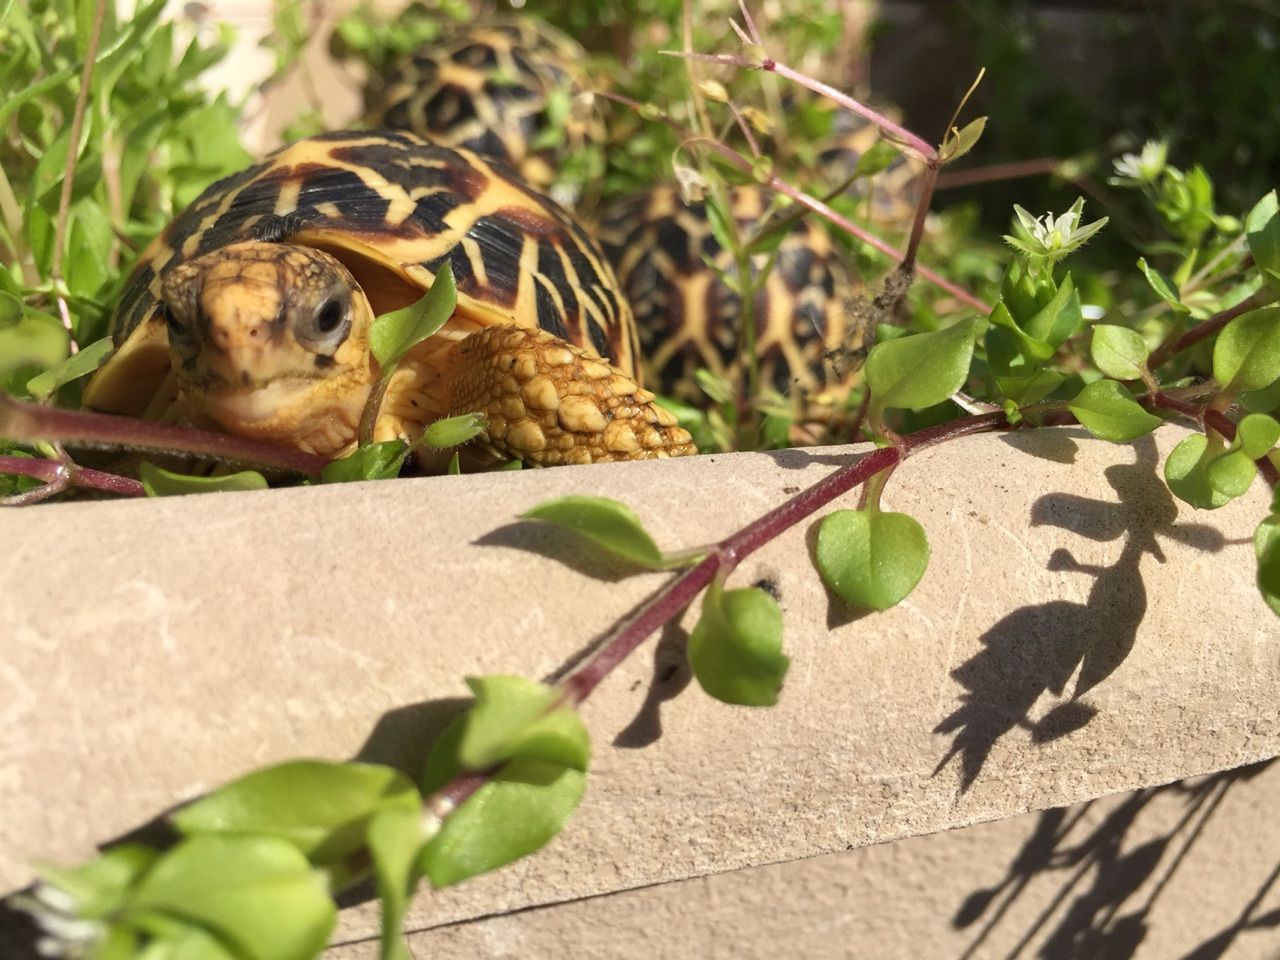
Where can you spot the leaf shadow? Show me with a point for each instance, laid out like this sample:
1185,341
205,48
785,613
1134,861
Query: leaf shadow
671,675
1039,648
1092,921
554,542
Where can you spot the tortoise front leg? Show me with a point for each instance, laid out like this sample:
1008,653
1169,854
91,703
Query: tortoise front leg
548,402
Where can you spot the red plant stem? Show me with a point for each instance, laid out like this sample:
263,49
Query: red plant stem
1206,328
726,555
1217,420
681,590
32,422
895,131
998,171
49,470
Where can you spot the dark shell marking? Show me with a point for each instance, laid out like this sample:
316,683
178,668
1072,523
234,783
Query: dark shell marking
688,319
415,204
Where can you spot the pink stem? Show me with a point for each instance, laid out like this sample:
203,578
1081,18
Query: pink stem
30,422
49,471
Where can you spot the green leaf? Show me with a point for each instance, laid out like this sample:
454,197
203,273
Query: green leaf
10,307
36,342
169,940
454,431
1231,474
736,648
1266,545
396,839
1119,352
258,894
1109,412
1186,471
514,717
100,886
1059,318
870,559
879,156
1247,353
612,525
959,142
517,811
1162,286
918,371
159,482
1262,229
717,388
373,461
318,806
1257,433
394,334
75,366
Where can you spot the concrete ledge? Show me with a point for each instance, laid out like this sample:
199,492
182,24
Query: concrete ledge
1078,634
1189,871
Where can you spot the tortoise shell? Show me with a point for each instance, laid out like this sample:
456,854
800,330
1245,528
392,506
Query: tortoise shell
490,88
392,208
689,318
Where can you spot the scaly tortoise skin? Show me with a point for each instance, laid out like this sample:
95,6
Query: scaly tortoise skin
688,318
487,88
250,313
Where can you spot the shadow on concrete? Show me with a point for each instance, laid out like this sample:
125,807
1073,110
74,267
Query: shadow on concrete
1092,917
671,675
562,545
1039,648
401,738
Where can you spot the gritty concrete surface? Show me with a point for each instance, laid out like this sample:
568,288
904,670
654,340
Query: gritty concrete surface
1190,871
1078,634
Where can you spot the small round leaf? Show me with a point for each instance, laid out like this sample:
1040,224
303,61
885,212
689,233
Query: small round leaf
320,807
1109,412
1257,433
517,811
736,648
258,894
1247,353
1119,352
610,524
871,560
1186,472
918,371
159,482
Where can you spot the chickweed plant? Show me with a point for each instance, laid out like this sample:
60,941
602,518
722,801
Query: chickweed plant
107,134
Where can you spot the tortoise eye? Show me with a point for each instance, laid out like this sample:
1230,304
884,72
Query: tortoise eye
322,330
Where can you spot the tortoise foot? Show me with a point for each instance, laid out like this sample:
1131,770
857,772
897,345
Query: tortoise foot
551,403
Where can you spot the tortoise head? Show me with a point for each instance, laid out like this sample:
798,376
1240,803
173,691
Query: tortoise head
271,340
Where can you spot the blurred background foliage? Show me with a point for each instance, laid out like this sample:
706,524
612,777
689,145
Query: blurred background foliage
1069,88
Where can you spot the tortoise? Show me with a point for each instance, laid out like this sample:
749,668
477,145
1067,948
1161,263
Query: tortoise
250,312
688,317
491,88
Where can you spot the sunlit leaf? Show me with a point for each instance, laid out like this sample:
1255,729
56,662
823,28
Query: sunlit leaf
871,559
735,649
320,807
1247,353
612,525
73,367
258,894
1109,412
394,334
918,371
159,482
